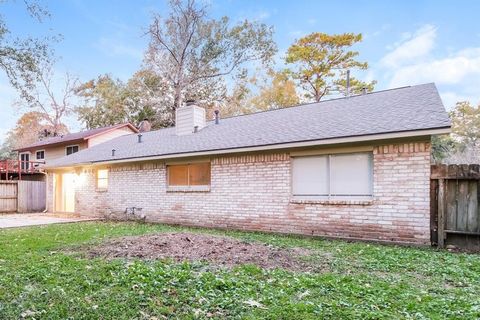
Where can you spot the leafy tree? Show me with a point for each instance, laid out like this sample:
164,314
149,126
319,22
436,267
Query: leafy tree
442,148
463,145
147,96
103,103
254,94
20,57
194,53
466,124
319,63
237,102
7,147
108,101
277,92
31,127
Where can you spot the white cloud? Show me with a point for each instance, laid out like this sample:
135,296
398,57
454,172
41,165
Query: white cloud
262,15
295,34
457,68
114,47
415,59
377,32
411,46
450,99
257,15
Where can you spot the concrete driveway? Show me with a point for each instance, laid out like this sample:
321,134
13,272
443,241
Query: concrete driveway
36,219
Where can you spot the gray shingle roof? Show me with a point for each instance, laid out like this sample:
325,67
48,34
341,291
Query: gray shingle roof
403,109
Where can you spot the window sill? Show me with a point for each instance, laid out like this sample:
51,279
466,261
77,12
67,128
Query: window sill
344,202
188,189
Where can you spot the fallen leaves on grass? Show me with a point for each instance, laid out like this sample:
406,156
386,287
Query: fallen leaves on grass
253,303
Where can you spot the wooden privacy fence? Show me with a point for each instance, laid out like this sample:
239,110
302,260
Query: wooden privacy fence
455,210
22,196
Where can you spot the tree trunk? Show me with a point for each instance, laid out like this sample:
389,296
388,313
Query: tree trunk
177,102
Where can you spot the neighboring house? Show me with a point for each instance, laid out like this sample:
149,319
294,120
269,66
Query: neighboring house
354,167
34,156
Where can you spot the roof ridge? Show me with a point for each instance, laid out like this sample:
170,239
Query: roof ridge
87,130
307,104
333,99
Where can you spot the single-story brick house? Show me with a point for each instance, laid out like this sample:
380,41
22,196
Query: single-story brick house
355,167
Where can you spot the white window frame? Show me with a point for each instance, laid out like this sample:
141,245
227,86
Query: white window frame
329,196
107,179
26,165
37,151
71,146
22,153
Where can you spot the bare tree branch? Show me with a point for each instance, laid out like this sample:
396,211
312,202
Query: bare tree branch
193,52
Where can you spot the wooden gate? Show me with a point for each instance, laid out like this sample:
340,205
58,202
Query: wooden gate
8,196
22,196
455,210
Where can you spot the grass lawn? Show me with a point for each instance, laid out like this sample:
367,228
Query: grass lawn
358,281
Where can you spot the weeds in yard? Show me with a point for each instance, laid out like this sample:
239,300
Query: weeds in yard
38,279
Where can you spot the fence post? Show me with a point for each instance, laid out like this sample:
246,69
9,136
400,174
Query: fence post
441,213
16,185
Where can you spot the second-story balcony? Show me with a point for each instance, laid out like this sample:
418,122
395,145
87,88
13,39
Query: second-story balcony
19,167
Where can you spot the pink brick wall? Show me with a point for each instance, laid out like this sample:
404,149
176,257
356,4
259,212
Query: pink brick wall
252,192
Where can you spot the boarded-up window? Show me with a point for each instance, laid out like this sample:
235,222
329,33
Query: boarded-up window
178,175
102,179
192,174
333,176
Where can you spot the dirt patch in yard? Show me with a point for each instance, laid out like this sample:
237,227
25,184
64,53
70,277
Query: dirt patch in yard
216,250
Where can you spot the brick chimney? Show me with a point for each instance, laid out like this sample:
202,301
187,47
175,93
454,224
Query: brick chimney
189,119
144,126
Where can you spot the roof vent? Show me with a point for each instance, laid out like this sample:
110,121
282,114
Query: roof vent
364,90
113,152
139,138
217,117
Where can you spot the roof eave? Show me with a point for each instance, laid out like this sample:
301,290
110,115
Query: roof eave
56,144
288,145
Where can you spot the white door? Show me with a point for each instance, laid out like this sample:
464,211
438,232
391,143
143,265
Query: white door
68,192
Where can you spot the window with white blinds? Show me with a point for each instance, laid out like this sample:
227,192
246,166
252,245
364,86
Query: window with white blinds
333,176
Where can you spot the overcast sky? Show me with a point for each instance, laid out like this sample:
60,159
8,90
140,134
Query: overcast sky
405,42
